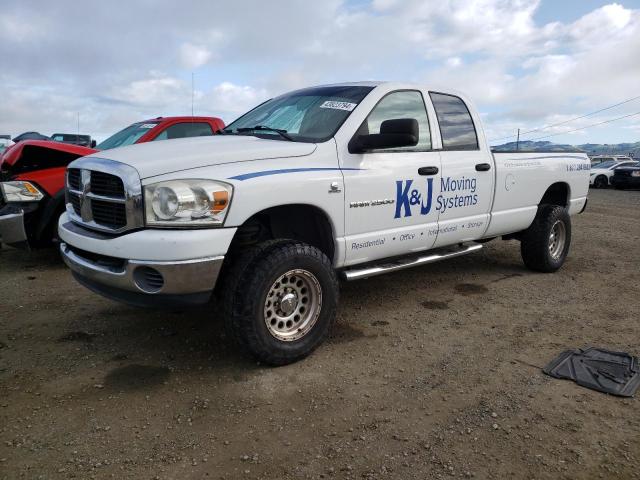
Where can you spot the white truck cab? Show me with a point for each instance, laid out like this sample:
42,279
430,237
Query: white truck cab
349,180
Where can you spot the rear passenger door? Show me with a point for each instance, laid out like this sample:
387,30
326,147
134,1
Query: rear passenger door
184,130
468,172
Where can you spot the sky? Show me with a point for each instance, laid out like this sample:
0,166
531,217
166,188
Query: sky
525,64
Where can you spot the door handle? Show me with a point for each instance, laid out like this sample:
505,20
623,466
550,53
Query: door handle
483,167
428,170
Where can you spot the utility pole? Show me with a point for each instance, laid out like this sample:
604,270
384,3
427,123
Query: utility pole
518,142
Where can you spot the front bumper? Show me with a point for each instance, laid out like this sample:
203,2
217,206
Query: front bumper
144,283
12,227
148,267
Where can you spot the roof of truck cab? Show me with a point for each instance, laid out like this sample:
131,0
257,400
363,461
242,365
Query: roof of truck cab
396,85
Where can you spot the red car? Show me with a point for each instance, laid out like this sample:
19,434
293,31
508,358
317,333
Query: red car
32,175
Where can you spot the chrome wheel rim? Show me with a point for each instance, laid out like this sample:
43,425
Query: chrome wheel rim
292,305
557,239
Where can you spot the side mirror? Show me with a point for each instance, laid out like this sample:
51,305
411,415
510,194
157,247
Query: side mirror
397,132
93,144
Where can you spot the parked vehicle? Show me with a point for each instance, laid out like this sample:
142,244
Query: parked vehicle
5,141
598,159
74,139
30,136
349,180
626,177
602,172
32,175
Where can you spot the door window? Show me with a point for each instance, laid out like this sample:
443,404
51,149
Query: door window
184,130
396,105
456,124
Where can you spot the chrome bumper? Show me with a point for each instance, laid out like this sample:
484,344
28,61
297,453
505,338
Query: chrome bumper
184,277
12,231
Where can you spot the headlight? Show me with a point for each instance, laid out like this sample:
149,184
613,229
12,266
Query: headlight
635,173
20,192
187,203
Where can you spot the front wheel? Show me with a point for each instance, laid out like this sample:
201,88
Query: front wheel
545,244
280,299
601,182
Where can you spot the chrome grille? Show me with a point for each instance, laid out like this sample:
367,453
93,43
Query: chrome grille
75,203
107,185
109,214
104,195
73,178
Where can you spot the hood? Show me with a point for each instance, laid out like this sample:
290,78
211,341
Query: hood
30,155
167,156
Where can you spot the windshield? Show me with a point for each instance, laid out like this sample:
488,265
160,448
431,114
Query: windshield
606,164
67,137
128,136
309,115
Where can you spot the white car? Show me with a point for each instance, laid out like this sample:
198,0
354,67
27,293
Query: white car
605,158
339,181
601,173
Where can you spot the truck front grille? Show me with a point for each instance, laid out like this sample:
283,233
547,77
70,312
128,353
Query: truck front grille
75,203
73,179
107,185
104,195
108,214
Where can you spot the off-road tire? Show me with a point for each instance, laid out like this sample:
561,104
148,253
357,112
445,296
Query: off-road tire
248,281
536,242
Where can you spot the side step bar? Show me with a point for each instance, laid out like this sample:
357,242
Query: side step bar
408,262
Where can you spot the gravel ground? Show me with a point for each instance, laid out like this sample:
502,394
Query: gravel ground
430,373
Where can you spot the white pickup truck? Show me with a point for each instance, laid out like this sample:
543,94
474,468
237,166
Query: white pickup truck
349,180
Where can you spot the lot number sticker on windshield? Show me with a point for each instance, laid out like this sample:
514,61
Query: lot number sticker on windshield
339,105
148,125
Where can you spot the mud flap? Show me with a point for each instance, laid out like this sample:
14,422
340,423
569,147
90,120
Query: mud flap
616,373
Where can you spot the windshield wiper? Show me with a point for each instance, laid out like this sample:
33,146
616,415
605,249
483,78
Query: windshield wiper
279,131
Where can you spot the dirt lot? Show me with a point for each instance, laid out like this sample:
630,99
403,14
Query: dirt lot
430,373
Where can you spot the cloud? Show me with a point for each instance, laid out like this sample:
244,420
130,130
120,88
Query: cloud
120,67
194,56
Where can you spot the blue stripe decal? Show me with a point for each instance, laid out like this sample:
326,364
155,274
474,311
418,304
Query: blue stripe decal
264,173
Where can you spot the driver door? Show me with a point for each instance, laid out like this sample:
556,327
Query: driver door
389,194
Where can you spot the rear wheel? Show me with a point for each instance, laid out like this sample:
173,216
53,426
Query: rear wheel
601,182
545,244
280,299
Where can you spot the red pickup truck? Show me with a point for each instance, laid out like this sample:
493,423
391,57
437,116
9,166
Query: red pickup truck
32,175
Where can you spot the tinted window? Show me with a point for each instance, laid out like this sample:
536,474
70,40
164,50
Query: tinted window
456,125
184,130
406,104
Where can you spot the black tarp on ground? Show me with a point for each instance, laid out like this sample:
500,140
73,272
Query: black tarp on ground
616,373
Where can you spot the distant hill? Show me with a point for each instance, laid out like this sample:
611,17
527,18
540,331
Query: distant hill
611,149
590,148
535,146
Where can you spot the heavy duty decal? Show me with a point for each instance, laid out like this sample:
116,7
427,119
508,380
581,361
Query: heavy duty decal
372,203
